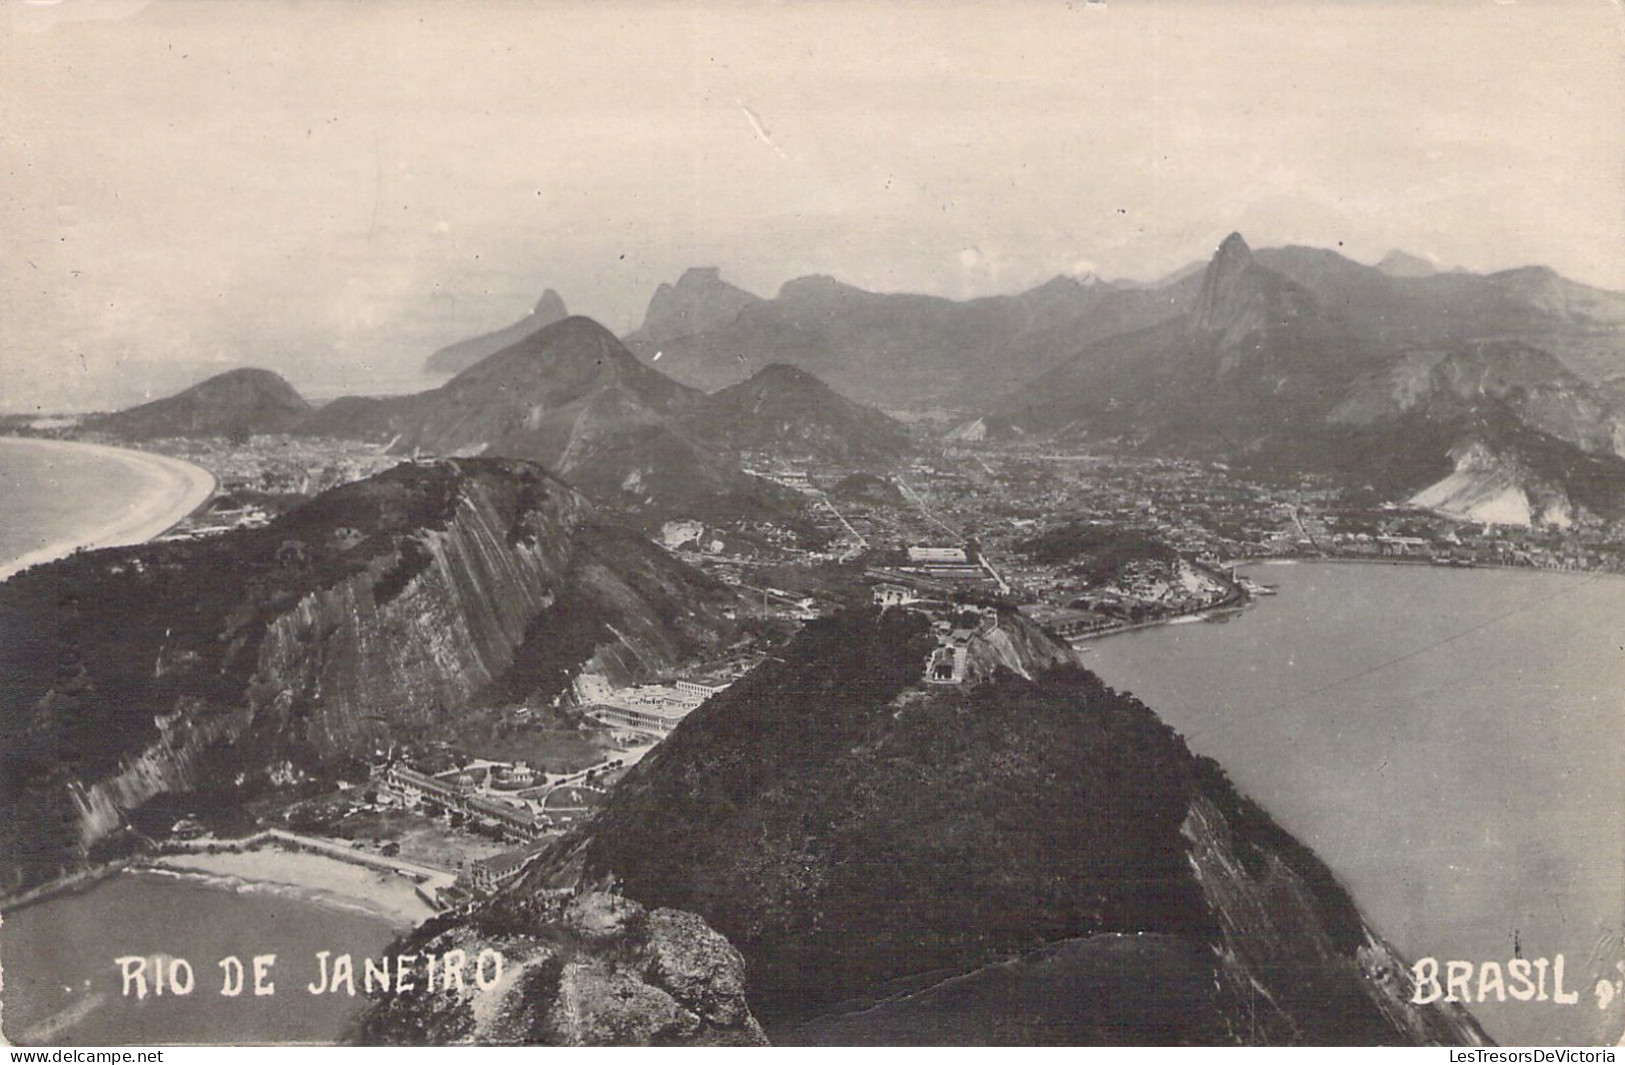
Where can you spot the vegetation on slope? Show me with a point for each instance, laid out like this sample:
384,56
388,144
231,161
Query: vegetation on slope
110,643
842,837
861,838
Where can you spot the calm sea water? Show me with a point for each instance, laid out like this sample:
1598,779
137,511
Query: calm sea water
1450,742
51,494
64,988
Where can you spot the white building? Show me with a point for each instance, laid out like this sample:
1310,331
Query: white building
657,719
937,554
698,691
895,595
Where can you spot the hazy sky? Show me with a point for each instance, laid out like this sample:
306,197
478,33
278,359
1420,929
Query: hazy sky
333,190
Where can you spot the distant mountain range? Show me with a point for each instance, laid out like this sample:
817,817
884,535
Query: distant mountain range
1300,359
905,350
902,350
1405,307
888,350
455,358
1293,357
573,398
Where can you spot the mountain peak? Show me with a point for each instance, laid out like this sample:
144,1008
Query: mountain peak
700,300
244,400
784,373
252,376
550,308
784,410
699,275
455,358
575,349
1234,247
1226,294
815,286
1403,264
580,335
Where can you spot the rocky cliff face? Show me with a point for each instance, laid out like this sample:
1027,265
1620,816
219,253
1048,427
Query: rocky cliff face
1455,382
590,970
1016,645
1495,488
170,764
444,638
376,611
1297,962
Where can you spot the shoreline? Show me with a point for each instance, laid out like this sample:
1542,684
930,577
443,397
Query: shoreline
278,877
1238,606
1080,643
75,883
1237,601
268,862
321,870
184,487
314,878
1486,567
1332,818
318,870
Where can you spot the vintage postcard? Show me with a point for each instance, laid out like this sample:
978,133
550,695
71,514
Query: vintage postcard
740,523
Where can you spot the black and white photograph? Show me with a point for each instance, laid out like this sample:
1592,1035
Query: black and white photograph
777,523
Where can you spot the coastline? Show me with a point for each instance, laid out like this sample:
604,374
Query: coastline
1228,607
75,883
1239,604
263,862
204,906
1234,603
184,488
316,878
1487,567
1375,879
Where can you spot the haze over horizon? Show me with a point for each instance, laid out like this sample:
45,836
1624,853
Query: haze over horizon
334,191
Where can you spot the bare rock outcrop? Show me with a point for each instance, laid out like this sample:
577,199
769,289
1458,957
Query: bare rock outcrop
599,970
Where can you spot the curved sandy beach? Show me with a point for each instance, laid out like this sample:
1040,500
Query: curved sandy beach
316,877
180,488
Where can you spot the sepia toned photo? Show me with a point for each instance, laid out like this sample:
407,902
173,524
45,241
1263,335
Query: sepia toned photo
745,523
